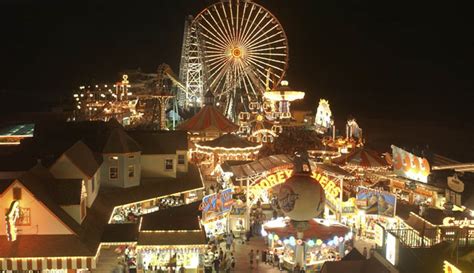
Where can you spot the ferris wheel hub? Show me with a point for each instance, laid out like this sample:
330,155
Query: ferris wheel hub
236,52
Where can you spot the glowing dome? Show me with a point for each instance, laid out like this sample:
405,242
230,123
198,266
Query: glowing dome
301,197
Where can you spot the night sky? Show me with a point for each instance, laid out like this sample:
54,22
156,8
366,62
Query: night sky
398,60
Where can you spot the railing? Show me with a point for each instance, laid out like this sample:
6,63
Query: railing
432,236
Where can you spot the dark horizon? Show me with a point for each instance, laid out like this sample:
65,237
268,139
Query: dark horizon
385,61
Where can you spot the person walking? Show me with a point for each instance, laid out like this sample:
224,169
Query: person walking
257,258
232,261
217,264
364,252
297,268
251,256
372,251
280,262
228,241
264,256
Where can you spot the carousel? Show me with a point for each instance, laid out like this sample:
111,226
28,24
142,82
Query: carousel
209,154
324,240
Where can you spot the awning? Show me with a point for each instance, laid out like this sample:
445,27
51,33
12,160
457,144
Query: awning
47,263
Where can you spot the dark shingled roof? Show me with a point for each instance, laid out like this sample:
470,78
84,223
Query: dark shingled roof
155,187
354,255
229,141
178,218
83,158
120,233
4,184
160,142
119,142
67,191
41,184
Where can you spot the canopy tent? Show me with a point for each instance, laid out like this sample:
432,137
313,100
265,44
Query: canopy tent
364,158
318,228
207,118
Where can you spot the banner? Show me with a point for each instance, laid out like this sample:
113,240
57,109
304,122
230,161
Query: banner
216,204
376,202
407,165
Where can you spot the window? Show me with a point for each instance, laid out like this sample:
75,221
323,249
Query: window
131,156
113,172
131,171
168,164
16,193
113,158
92,184
180,159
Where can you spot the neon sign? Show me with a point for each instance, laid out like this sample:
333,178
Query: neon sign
450,221
330,187
10,218
216,204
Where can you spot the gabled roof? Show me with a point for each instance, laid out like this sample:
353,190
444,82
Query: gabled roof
119,142
209,117
41,183
160,142
229,141
83,158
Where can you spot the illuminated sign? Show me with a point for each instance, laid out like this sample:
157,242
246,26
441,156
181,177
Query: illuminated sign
449,268
330,187
376,202
10,218
451,221
391,249
410,166
216,204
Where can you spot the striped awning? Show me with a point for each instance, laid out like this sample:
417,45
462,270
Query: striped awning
47,263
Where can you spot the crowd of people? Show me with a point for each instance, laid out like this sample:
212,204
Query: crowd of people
218,259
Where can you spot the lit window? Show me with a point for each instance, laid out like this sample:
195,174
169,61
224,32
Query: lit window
181,159
131,171
168,164
113,158
113,173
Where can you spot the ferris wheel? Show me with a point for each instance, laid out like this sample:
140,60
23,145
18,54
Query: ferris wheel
240,43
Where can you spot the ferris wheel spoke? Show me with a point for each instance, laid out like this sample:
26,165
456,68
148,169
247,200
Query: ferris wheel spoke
217,67
251,26
267,64
270,43
214,46
221,32
267,54
222,38
248,79
227,21
255,30
269,59
219,71
244,31
252,37
259,39
232,18
229,38
270,48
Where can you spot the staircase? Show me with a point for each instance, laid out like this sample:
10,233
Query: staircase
107,261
